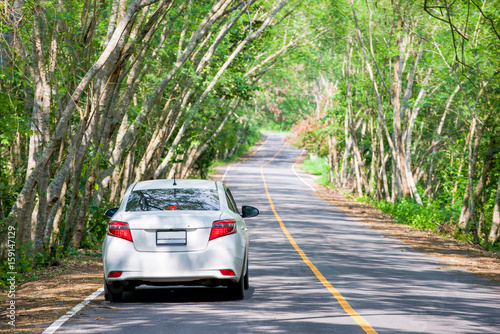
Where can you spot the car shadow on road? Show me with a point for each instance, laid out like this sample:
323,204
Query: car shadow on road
169,294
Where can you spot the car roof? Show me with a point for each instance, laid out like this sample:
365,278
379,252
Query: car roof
180,183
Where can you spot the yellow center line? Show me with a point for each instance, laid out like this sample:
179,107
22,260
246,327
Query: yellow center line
341,300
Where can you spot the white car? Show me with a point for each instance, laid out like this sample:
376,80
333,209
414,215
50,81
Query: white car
176,232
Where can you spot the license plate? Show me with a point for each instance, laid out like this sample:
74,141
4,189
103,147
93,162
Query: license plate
171,238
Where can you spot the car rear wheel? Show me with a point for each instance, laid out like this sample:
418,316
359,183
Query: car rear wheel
113,291
246,282
236,291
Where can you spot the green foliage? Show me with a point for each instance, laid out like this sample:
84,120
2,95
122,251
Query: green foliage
228,140
97,225
317,166
430,216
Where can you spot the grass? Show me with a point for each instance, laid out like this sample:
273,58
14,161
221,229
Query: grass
317,166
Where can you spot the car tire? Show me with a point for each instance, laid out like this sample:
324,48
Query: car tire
236,291
113,292
246,283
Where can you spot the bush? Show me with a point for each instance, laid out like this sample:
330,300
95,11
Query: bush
311,134
317,166
428,216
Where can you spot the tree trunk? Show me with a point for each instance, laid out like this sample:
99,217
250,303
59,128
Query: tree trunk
494,235
375,159
81,222
380,113
409,130
52,230
360,173
400,162
468,215
333,160
214,81
202,148
468,207
41,113
10,36
348,112
436,139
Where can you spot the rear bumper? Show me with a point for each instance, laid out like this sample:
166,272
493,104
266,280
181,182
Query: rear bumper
171,267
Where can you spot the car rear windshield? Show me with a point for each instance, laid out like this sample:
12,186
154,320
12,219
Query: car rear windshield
173,199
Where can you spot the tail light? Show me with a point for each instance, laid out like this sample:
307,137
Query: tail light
227,272
221,228
119,230
115,274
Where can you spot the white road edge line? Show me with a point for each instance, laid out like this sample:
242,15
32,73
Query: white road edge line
229,167
301,179
264,143
59,322
227,170
261,146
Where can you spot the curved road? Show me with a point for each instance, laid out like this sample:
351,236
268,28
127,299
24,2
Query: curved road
313,269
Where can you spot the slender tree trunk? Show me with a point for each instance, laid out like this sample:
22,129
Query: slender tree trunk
380,113
494,235
41,113
358,182
202,148
375,159
396,107
84,206
347,133
11,35
474,200
333,160
436,139
360,173
211,85
468,207
409,130
460,166
52,230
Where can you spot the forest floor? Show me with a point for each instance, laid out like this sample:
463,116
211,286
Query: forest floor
46,294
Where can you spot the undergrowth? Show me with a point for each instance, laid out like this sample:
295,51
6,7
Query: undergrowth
317,166
435,215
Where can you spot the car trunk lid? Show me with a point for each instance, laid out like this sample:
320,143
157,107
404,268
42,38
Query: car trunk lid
171,231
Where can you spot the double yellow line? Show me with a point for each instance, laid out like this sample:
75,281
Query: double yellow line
341,300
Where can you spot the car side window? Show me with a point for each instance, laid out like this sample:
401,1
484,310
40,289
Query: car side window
230,201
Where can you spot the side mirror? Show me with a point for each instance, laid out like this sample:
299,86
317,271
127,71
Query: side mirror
249,211
110,213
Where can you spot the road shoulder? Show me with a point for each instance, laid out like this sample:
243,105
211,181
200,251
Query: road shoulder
460,255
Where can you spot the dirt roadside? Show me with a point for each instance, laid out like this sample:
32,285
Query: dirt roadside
47,294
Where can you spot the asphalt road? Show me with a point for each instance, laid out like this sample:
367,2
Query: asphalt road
313,269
